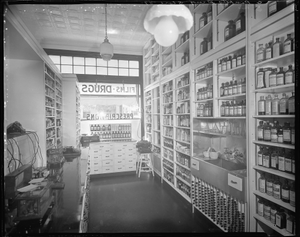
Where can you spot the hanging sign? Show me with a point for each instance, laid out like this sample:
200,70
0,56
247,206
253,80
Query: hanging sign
115,116
106,89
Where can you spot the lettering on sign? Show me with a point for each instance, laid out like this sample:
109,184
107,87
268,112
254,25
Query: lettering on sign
110,116
106,89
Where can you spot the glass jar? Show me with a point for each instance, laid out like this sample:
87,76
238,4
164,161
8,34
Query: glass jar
281,158
222,109
274,130
203,46
266,158
228,66
275,105
283,104
269,105
233,61
240,25
287,133
260,53
267,72
280,219
277,45
289,75
260,131
267,132
274,159
269,51
203,20
222,90
291,104
262,106
234,87
269,185
288,44
272,78
280,77
277,188
229,30
260,156
260,82
285,192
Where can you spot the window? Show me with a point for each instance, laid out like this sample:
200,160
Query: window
95,66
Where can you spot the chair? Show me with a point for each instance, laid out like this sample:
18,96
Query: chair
144,163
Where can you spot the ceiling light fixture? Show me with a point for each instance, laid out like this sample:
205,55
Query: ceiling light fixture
106,48
166,22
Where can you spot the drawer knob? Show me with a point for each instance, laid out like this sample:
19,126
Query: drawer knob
233,182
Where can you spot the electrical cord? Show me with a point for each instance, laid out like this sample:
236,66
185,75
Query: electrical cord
33,160
19,152
39,148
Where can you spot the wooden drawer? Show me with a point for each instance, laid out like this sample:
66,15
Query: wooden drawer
119,155
107,162
107,169
119,168
235,182
96,163
106,150
94,152
105,156
119,162
130,167
130,160
96,170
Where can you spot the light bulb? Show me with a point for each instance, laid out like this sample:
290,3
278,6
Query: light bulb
166,31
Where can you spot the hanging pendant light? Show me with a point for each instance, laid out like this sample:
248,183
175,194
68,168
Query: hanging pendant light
165,22
106,48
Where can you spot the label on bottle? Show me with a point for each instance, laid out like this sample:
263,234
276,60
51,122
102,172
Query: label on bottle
279,79
261,106
281,163
266,161
272,7
260,56
268,107
270,188
288,165
275,107
285,194
272,80
239,61
268,53
260,209
262,185
274,136
260,80
287,135
289,226
273,216
276,191
238,25
267,135
280,139
267,212
288,77
292,198
274,161
287,47
278,221
267,79
233,62
282,106
226,32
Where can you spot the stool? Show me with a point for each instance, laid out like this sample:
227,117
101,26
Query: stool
144,163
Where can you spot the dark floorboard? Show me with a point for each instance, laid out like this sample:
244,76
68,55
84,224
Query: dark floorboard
128,204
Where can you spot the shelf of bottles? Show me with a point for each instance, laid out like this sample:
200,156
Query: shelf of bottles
232,84
225,211
156,116
155,62
112,132
275,128
203,22
167,60
148,115
182,52
58,119
148,51
203,87
50,107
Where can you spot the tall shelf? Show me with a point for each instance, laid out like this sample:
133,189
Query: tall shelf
272,154
58,112
223,114
71,111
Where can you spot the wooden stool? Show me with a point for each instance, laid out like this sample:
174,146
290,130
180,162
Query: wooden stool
144,163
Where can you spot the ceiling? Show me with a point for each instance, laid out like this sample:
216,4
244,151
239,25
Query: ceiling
82,26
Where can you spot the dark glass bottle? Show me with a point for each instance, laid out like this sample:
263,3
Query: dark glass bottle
262,106
287,133
240,23
267,132
269,51
260,131
260,82
229,30
275,6
289,75
288,44
203,20
274,159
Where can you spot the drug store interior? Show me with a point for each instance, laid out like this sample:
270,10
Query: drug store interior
209,88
